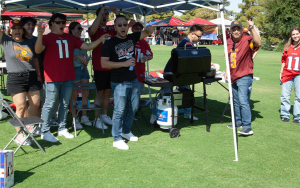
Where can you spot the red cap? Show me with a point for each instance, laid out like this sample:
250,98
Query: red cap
138,24
14,23
245,30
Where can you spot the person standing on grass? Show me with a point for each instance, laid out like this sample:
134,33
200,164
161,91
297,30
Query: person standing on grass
240,52
59,71
101,75
143,53
118,55
289,74
81,61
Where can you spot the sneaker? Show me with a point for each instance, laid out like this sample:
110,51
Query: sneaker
49,137
121,145
37,131
78,125
285,120
85,120
20,138
245,131
296,121
189,117
153,119
65,133
231,127
99,124
137,117
130,137
106,119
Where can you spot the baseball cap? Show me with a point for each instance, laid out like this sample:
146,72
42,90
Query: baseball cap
245,30
236,23
14,23
138,24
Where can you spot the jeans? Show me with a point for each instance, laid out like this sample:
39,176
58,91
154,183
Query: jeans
126,103
285,98
53,90
241,98
187,111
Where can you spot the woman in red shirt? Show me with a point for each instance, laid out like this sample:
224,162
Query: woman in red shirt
289,74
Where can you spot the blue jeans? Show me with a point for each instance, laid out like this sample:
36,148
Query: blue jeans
126,103
285,98
241,98
53,90
187,111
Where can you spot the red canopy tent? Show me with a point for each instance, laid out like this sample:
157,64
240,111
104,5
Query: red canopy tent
201,22
171,22
41,15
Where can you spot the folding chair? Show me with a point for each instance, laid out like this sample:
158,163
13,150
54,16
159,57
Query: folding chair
22,123
142,104
89,86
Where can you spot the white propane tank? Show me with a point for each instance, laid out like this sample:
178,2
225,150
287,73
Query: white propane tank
164,113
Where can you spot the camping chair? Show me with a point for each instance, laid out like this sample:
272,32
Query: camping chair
142,104
89,86
147,74
22,123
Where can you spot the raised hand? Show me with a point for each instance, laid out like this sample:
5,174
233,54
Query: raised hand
41,29
103,38
250,24
131,23
149,29
114,10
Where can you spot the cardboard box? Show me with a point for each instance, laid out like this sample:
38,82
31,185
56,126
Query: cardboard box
6,168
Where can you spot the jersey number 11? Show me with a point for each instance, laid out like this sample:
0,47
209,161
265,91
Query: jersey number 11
60,48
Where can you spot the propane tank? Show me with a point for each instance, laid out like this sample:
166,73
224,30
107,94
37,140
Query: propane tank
164,113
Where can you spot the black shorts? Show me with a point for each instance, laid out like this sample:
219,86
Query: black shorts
22,82
102,79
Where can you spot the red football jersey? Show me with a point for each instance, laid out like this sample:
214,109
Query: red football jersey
96,54
142,47
58,61
241,62
227,34
291,60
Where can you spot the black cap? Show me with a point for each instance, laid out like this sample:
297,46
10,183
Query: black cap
236,23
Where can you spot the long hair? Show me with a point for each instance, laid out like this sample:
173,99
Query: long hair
291,41
72,26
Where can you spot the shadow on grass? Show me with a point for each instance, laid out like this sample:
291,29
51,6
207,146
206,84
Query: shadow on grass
20,176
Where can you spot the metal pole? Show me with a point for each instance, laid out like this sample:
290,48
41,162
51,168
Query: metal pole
229,83
87,22
217,19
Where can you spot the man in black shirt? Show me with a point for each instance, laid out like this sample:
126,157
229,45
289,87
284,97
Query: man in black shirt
118,55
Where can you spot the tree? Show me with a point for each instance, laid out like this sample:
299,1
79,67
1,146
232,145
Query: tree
158,16
250,9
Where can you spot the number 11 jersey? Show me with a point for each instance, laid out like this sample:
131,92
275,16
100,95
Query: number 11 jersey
58,61
291,59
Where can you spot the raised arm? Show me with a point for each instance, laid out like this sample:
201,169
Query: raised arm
148,31
96,23
92,45
105,63
256,39
39,47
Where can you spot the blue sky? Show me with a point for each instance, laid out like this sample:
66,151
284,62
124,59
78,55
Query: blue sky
234,5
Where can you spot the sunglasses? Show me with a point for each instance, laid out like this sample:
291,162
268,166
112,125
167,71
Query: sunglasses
197,35
124,24
59,22
80,28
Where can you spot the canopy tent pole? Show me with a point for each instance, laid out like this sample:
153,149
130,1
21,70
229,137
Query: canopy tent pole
87,21
229,83
218,18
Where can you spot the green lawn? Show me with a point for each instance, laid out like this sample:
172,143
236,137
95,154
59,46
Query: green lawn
269,158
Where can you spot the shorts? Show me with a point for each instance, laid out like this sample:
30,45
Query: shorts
22,82
81,74
102,79
174,39
142,88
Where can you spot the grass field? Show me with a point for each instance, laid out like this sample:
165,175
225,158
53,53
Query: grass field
269,158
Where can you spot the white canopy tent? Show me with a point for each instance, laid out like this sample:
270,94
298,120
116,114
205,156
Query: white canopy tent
218,22
142,7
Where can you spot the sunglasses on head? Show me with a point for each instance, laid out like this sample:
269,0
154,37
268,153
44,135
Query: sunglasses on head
59,22
124,24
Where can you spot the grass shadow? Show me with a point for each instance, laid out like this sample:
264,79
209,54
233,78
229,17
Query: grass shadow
20,176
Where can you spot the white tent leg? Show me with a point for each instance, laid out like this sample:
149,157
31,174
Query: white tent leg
229,83
88,24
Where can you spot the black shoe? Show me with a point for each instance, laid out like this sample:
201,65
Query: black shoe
286,120
231,127
246,131
296,121
137,117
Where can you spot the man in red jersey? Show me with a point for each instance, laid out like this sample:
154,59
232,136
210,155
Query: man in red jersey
102,75
227,33
240,52
143,53
59,71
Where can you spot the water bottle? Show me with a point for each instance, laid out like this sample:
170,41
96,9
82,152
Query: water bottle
131,67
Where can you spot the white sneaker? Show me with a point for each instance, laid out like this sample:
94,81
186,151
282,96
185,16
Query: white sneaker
78,125
37,131
85,120
65,133
49,137
106,119
20,138
130,137
121,145
99,124
189,117
153,119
